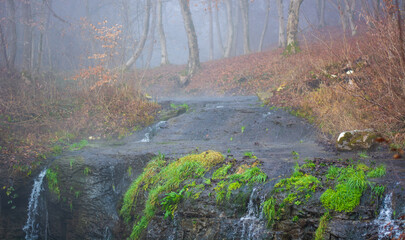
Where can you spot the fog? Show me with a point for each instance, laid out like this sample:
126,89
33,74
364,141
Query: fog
63,39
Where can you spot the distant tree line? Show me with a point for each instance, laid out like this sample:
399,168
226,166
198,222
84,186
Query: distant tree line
25,28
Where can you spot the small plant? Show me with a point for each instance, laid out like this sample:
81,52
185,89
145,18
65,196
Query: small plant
295,218
56,150
52,177
269,210
333,172
323,223
77,194
377,172
185,106
221,172
129,171
242,129
79,145
10,192
86,171
170,202
71,163
378,190
250,155
363,155
295,155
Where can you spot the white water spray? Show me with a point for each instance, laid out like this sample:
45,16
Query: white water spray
31,226
387,226
252,223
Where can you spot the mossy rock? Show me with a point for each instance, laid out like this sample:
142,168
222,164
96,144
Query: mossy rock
356,140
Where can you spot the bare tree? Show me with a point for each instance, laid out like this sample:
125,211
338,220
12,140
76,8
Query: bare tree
281,26
27,42
141,44
320,11
194,56
244,8
219,33
152,36
292,25
210,31
346,13
3,50
266,23
163,48
349,13
230,28
13,33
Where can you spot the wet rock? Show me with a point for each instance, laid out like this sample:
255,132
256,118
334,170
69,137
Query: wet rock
356,140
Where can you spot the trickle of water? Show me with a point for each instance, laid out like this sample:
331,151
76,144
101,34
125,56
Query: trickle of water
31,226
152,131
251,223
388,227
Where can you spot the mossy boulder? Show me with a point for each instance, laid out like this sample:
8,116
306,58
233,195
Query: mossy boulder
356,140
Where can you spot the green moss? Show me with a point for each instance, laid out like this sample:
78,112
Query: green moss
323,224
237,180
161,177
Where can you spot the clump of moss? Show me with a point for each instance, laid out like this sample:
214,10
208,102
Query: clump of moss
346,195
244,175
161,177
346,186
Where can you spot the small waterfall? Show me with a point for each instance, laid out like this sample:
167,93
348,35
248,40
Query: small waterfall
252,223
388,228
152,131
31,226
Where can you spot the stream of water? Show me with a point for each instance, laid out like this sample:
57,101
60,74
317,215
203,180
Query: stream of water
31,226
252,223
388,228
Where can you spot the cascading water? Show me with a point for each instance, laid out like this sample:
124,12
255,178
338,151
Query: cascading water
31,226
388,227
152,131
252,223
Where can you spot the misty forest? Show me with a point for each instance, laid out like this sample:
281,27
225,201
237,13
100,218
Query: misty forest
202,119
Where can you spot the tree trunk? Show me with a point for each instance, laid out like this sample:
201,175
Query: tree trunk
266,23
292,25
194,57
376,8
281,26
349,11
141,44
244,8
236,29
230,29
3,50
152,36
210,31
320,11
27,44
219,33
13,34
163,48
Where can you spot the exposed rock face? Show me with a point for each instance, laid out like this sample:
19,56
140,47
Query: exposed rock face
90,189
356,140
